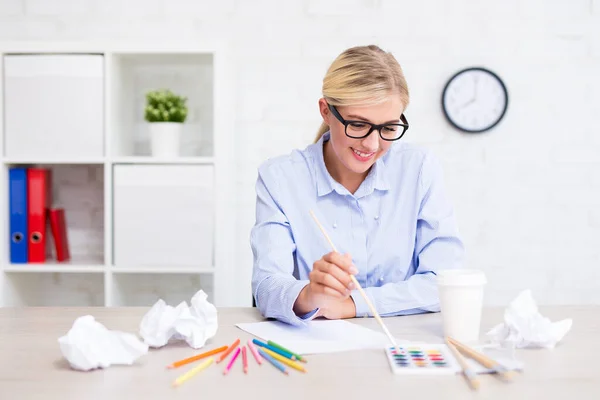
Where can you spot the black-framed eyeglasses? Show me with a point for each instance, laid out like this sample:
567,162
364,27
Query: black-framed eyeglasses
361,129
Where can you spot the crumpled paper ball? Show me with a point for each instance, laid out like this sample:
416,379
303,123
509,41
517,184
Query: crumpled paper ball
89,345
524,326
194,324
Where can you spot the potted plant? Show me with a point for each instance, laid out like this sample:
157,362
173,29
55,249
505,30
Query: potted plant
166,112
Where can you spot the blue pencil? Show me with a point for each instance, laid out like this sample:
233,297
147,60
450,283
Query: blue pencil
273,361
275,349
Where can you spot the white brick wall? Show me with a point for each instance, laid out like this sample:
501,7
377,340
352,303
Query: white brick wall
11,7
527,194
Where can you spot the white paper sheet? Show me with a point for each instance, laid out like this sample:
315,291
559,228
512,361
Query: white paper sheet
319,336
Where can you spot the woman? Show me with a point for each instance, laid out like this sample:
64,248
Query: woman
380,200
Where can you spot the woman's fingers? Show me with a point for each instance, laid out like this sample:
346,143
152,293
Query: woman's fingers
321,277
331,275
341,267
332,292
339,274
344,262
327,291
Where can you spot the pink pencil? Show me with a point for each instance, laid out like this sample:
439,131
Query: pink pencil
235,355
245,359
254,352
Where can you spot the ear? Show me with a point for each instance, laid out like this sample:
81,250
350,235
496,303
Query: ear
324,110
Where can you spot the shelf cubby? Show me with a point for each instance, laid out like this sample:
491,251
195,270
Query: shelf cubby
79,189
47,289
186,74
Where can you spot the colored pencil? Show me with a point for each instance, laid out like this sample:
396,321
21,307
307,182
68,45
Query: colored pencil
285,360
245,359
229,350
235,356
185,361
181,379
274,349
273,362
360,289
257,356
467,372
298,356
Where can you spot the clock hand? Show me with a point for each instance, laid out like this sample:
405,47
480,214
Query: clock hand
468,103
475,80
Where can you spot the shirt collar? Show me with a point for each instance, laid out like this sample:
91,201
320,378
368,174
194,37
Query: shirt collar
325,183
377,178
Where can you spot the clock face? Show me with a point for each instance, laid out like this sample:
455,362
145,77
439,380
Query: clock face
474,100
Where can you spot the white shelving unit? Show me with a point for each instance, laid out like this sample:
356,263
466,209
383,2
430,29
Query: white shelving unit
116,196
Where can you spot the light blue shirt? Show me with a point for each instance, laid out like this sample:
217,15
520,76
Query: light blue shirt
399,228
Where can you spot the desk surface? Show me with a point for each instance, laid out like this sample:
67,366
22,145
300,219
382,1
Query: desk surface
32,367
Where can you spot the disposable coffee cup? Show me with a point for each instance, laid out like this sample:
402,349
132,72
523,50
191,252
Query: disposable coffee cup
461,302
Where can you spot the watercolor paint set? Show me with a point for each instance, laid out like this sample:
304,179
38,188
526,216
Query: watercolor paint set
425,359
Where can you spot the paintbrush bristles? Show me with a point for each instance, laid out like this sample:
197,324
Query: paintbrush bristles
360,289
468,373
483,359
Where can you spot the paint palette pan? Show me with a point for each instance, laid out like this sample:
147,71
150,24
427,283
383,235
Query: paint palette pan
422,359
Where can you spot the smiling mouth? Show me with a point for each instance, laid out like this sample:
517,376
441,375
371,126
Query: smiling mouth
362,156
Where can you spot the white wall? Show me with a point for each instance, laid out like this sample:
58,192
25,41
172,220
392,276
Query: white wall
527,193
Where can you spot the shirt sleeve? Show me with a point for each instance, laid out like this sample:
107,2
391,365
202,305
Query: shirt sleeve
437,246
274,286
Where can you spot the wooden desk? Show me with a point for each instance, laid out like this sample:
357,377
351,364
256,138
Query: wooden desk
32,367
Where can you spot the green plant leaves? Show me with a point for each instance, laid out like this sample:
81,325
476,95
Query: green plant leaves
164,106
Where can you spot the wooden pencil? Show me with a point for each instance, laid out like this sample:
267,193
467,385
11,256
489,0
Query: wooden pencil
273,361
188,360
229,350
285,360
280,347
274,349
192,372
245,359
232,361
254,352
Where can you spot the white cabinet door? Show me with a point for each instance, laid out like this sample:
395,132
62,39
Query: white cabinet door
163,215
54,106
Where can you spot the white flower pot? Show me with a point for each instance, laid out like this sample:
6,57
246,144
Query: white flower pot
165,138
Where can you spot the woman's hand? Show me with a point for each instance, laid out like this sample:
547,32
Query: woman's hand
339,310
330,277
330,283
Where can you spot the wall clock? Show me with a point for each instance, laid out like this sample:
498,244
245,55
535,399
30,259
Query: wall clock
474,100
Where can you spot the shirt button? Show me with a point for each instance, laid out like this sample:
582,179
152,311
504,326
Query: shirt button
334,225
377,217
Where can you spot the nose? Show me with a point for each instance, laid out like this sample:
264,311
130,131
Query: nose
371,142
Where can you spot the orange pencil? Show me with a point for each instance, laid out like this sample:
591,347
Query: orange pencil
229,350
245,359
188,360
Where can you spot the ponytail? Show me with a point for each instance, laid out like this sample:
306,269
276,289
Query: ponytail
322,129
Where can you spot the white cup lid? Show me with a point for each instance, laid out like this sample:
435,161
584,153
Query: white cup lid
461,277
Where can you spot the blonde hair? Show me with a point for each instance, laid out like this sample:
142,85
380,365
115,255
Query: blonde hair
363,75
